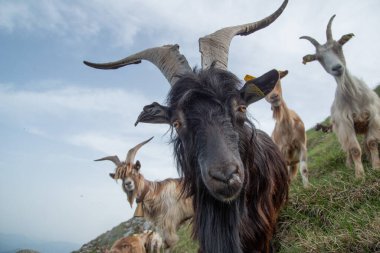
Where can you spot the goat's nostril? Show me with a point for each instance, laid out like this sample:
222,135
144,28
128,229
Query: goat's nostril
228,176
274,96
337,67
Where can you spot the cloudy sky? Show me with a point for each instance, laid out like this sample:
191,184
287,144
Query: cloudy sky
58,115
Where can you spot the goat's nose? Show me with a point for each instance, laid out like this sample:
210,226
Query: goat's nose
225,175
128,182
337,67
274,96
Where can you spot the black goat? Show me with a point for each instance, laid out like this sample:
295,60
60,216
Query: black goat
235,173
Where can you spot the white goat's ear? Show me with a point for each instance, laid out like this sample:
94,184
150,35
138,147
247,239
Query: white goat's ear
154,113
257,88
345,38
308,58
137,165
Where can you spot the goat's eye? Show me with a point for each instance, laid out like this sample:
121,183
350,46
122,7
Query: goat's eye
177,124
242,108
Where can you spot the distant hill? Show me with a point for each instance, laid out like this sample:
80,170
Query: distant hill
337,214
12,243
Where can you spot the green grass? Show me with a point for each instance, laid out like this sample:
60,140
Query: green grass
337,214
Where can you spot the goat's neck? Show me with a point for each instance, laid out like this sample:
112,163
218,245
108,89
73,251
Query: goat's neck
281,113
144,187
348,87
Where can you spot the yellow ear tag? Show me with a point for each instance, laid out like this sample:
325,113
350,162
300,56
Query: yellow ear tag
256,90
248,78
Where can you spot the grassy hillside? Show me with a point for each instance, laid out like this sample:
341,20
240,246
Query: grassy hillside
337,214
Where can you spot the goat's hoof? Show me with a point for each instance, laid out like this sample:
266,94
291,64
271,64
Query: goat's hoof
376,166
359,174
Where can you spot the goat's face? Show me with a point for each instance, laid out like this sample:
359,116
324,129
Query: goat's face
206,123
275,96
128,171
330,55
208,112
130,179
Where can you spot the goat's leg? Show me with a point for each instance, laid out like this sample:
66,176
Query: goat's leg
292,170
356,154
372,145
170,239
303,167
347,139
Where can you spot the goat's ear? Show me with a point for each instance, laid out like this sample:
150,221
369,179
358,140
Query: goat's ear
309,58
257,88
283,73
112,175
154,113
345,38
137,165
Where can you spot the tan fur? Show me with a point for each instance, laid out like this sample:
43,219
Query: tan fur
164,206
154,243
130,244
289,134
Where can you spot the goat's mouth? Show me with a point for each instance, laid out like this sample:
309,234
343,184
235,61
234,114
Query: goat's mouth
275,102
338,73
222,189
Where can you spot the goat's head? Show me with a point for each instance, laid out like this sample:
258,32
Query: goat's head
275,96
128,171
207,109
330,55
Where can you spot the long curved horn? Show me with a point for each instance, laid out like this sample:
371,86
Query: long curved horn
328,30
133,151
113,159
312,40
167,58
214,47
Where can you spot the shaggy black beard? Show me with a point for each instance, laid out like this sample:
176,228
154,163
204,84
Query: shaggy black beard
214,237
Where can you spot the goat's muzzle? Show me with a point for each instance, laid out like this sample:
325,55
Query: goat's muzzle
224,181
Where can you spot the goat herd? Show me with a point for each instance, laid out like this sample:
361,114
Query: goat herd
234,177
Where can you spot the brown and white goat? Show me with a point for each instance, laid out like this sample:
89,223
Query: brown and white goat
161,202
131,244
356,108
289,133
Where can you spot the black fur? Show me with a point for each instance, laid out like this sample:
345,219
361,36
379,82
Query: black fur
246,223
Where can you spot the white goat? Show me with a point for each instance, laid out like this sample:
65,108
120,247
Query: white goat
161,202
356,108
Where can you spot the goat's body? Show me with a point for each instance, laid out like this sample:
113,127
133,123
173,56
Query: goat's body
356,110
164,205
290,136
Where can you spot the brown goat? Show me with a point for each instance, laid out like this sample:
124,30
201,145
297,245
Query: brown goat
161,202
130,244
323,128
289,133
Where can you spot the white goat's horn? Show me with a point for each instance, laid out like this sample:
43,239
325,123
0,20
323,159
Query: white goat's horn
167,58
113,159
133,151
214,47
312,40
328,30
